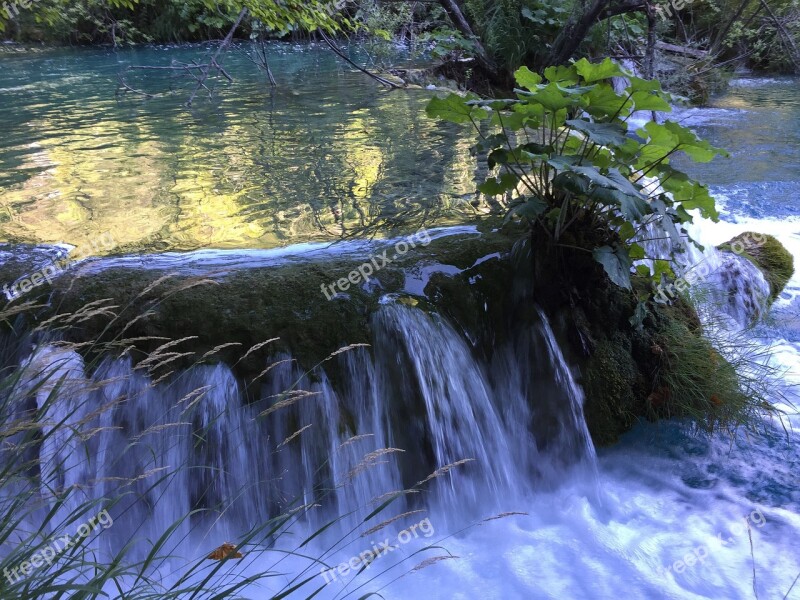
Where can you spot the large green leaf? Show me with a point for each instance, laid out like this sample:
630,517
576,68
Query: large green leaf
495,187
616,263
604,134
691,195
553,99
643,100
455,108
633,208
571,182
598,71
562,74
671,137
604,102
530,209
527,78
624,184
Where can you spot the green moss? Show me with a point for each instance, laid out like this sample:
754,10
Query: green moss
769,255
612,388
252,305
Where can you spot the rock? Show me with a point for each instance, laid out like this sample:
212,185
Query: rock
766,253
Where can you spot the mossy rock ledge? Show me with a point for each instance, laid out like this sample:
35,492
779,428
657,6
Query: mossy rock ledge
486,284
766,253
226,312
628,373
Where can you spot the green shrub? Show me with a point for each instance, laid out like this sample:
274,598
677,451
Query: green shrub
561,161
717,378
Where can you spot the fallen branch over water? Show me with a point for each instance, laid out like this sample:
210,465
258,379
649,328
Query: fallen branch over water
347,59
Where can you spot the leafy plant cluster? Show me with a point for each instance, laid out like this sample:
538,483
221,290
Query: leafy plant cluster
561,160
443,43
132,21
764,35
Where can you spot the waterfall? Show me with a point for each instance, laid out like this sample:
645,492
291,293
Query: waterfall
731,286
233,453
448,406
729,291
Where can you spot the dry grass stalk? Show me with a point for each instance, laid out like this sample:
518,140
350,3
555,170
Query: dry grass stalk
258,347
506,515
155,284
346,349
290,398
355,438
294,435
216,349
370,460
380,526
432,561
443,470
270,367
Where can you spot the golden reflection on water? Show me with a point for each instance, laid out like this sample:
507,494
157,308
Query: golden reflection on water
248,174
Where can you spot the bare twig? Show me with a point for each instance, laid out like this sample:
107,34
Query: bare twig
344,57
213,62
752,556
791,588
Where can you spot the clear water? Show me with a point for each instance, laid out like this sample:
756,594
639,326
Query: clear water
327,153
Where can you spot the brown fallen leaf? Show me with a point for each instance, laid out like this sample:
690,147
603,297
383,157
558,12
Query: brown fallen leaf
227,550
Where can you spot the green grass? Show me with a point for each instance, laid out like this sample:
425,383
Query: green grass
718,378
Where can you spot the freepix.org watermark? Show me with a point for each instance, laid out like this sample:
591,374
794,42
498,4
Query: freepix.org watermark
424,527
376,263
55,267
700,271
700,553
664,10
59,546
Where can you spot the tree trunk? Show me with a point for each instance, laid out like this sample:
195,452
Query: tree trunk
576,29
453,10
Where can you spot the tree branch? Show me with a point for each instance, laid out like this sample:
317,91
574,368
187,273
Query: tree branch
213,62
576,29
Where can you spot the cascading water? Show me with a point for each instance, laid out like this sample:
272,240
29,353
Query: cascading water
450,403
419,402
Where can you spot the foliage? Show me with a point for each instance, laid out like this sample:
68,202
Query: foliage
560,160
90,21
384,21
739,30
622,34
762,42
445,43
518,32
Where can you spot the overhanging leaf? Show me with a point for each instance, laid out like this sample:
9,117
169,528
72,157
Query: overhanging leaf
495,187
531,208
598,71
617,264
604,134
527,78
